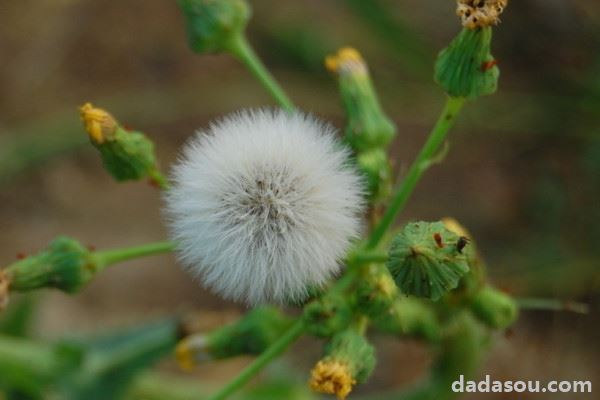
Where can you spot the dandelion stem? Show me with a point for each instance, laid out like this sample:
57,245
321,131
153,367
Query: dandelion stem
261,361
242,50
109,257
369,257
422,162
552,305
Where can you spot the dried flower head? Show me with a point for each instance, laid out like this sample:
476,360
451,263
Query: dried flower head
332,377
480,13
264,204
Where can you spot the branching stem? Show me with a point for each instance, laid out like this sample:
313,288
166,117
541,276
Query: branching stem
422,162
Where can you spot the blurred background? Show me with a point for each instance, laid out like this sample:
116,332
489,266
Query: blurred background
523,172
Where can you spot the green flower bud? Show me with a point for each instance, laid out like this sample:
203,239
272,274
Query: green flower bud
494,308
367,126
427,260
411,317
349,359
376,291
327,315
252,334
466,68
127,155
214,25
377,170
64,265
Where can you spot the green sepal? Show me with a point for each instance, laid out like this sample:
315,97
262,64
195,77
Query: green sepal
129,155
423,266
353,349
214,25
64,265
376,291
367,125
327,315
411,317
466,68
376,167
252,334
494,308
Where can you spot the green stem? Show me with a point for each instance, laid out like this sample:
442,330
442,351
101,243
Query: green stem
422,162
109,257
552,305
261,361
242,50
369,257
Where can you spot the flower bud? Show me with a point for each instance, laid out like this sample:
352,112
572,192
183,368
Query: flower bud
349,359
252,334
64,265
214,25
494,308
466,68
376,291
376,167
411,317
127,155
427,260
4,286
367,126
327,315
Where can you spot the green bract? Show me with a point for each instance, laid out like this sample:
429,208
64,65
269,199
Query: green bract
65,265
427,260
466,68
129,155
213,25
327,315
354,350
494,308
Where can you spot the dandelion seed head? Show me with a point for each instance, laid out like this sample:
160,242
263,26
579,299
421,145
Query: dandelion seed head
264,204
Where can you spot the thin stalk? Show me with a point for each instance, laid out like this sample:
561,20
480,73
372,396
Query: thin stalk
422,162
552,305
242,50
109,257
261,361
370,257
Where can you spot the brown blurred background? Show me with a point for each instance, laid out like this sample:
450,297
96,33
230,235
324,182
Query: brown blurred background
523,173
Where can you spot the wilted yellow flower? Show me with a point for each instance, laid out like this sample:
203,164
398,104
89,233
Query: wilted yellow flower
346,60
99,124
332,377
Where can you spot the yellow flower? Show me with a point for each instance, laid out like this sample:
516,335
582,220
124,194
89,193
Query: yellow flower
332,377
4,286
98,123
346,60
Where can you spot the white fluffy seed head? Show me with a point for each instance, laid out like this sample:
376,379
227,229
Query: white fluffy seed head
264,205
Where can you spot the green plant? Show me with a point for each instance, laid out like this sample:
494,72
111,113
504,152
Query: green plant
425,281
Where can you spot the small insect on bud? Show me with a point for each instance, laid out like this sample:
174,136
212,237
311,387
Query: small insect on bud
367,126
420,266
494,308
462,243
64,265
214,25
349,359
251,335
127,155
